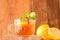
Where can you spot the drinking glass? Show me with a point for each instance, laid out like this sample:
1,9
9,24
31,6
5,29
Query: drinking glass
20,28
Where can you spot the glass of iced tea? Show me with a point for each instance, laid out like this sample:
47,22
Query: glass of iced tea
22,28
25,27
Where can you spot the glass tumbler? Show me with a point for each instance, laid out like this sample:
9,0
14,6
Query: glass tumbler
22,27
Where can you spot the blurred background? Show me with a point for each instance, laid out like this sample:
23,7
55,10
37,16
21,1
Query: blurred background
47,11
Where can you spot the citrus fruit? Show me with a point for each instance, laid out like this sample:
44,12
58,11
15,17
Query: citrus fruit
43,31
54,33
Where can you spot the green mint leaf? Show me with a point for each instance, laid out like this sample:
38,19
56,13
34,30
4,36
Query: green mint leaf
26,14
22,18
33,15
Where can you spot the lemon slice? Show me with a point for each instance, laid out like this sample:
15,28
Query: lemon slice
54,33
43,31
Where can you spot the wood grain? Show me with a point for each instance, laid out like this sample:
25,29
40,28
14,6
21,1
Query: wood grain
53,12
40,7
47,12
4,14
9,10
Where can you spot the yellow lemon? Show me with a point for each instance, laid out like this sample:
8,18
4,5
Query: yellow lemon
43,31
54,33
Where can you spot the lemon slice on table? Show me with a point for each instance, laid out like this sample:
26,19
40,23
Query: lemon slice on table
42,30
54,33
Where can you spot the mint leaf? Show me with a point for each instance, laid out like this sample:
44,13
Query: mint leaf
33,15
26,14
22,18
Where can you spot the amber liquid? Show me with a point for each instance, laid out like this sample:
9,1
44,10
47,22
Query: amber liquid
27,29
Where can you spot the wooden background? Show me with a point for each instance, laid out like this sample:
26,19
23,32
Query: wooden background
48,11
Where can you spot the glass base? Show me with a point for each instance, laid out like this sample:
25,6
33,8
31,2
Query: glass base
15,37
